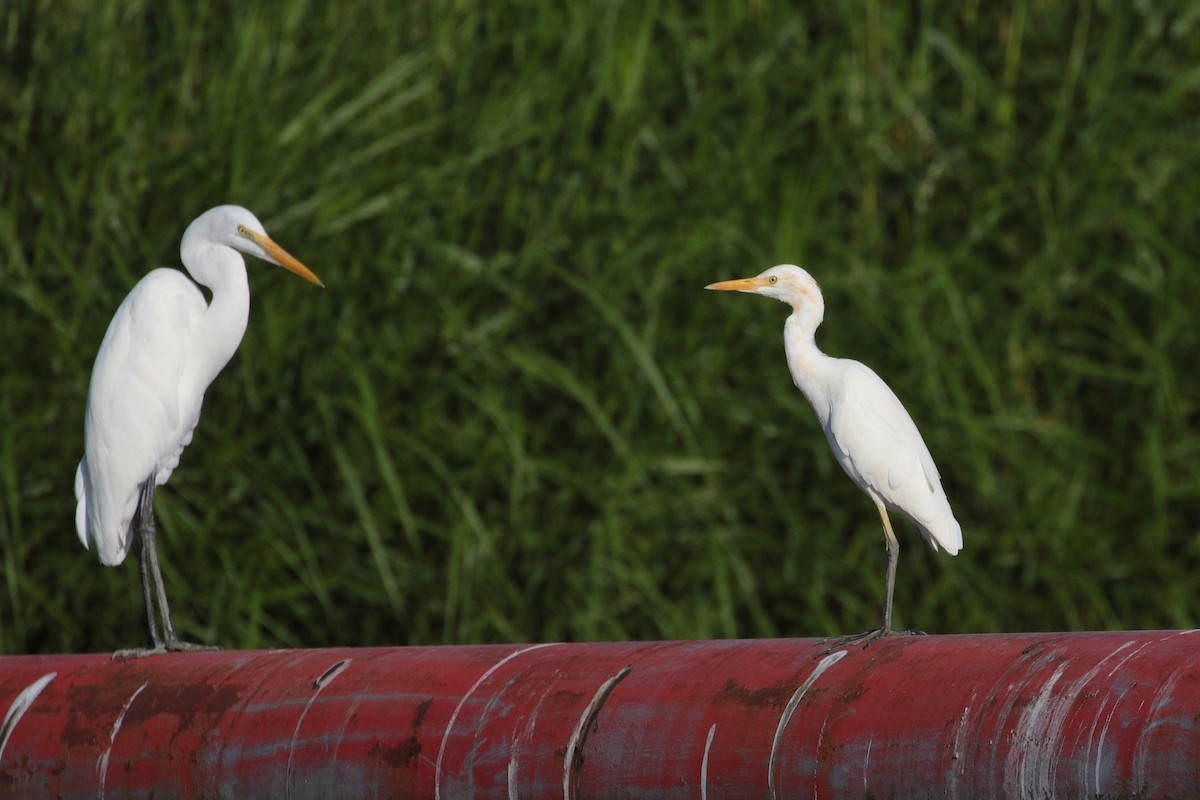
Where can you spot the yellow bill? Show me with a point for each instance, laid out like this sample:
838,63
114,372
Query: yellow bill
739,285
285,259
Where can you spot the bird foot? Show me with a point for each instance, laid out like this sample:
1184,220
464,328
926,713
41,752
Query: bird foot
174,646
178,646
131,652
866,638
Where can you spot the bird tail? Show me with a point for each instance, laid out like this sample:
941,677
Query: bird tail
93,518
81,527
945,532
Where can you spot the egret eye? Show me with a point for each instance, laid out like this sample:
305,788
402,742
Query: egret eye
243,231
774,279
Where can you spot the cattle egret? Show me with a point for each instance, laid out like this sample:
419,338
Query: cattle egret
163,348
872,436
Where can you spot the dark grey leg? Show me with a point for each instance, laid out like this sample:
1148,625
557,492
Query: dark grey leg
150,548
893,556
144,565
153,587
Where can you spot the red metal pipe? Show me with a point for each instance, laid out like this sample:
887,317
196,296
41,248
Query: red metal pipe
1022,715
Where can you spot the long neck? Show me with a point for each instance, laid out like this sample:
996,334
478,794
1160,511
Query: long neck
806,361
221,270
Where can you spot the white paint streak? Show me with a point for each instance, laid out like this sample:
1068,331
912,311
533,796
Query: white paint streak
817,755
589,713
20,706
1031,757
704,763
790,709
437,768
866,767
1099,757
519,742
512,776
1146,780
326,678
1100,744
960,735
102,762
1031,766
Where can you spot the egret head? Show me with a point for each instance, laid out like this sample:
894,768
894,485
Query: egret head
236,227
786,283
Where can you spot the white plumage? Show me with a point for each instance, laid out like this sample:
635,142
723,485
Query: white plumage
143,404
869,431
163,348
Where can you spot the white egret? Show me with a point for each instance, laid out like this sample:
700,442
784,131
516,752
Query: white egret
163,348
872,436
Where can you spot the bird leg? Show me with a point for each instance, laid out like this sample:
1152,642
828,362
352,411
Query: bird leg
893,554
145,545
144,568
153,587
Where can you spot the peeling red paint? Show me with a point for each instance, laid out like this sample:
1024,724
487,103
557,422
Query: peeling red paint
1091,714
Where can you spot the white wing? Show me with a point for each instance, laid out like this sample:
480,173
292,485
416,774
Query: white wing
140,409
880,448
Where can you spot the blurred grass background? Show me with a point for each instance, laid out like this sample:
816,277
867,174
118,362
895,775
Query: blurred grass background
514,415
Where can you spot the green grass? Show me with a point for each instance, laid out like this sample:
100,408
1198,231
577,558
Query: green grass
514,415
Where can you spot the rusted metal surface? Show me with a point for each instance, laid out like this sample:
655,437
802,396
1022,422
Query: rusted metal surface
1026,715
